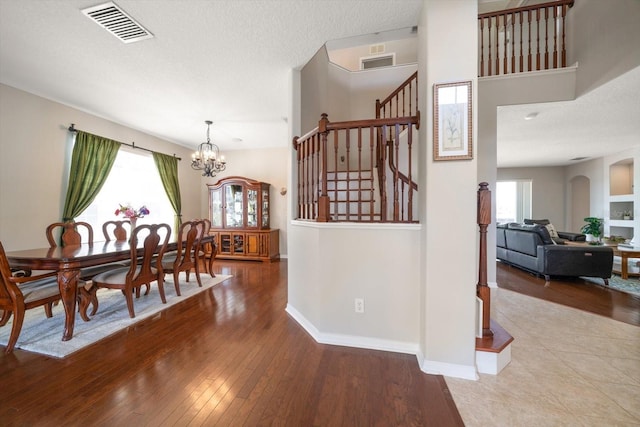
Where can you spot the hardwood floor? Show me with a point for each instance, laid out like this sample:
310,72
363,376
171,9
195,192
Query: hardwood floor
229,356
576,293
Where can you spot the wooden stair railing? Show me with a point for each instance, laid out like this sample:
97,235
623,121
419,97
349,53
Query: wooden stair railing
482,287
402,102
349,148
506,38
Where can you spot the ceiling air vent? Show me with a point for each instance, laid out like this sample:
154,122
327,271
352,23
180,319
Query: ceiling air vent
113,19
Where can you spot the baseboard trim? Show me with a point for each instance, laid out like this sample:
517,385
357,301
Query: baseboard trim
351,340
426,366
432,367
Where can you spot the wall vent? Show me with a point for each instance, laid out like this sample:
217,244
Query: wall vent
378,61
376,49
116,21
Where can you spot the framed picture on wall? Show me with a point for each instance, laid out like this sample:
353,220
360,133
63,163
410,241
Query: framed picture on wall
452,124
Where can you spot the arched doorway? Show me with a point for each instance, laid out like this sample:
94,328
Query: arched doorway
580,202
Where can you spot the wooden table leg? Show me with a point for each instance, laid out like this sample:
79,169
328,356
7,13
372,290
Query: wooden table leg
68,284
624,268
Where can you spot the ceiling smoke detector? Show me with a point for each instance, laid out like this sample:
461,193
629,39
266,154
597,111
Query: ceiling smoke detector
117,22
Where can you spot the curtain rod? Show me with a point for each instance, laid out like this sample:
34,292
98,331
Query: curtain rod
72,128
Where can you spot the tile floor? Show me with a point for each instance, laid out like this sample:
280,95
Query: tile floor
568,368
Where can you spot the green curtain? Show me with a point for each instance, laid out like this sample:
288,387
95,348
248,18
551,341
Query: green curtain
168,170
92,159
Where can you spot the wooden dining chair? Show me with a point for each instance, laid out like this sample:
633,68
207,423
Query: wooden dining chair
71,236
186,255
116,230
18,294
70,233
142,270
207,251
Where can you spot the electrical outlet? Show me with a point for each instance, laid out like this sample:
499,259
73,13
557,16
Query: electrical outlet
359,305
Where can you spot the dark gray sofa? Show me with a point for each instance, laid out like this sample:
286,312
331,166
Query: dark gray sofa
530,247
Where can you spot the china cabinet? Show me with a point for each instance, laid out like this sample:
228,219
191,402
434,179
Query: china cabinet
239,214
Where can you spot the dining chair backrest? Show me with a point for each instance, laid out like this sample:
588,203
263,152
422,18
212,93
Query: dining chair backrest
207,225
70,233
5,273
187,240
18,294
115,230
155,238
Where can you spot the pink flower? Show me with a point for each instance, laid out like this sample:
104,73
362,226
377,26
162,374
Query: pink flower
129,212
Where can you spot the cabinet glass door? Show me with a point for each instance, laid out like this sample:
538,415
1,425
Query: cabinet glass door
252,208
216,208
265,208
234,206
238,243
225,243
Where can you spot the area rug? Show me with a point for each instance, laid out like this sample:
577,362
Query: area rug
630,286
44,335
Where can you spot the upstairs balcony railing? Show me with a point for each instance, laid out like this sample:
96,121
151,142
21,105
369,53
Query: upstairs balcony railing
529,38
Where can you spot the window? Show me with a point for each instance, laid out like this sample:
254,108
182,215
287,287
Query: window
513,201
133,180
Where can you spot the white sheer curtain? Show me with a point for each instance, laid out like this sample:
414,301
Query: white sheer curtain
134,180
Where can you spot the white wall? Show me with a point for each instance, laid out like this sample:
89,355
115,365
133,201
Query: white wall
449,239
604,36
331,264
547,191
35,149
349,57
367,86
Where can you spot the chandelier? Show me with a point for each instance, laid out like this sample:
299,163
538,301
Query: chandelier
207,158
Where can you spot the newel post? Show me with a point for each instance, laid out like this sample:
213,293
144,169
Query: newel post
323,200
482,288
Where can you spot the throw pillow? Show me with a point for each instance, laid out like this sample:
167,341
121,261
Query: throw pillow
552,231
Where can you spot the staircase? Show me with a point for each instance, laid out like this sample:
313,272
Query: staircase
364,170
351,196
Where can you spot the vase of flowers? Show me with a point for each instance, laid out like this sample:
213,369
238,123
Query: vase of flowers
132,214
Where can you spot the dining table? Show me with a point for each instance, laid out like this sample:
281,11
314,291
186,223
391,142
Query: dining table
67,262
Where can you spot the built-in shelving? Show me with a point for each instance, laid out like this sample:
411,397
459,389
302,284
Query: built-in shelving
621,213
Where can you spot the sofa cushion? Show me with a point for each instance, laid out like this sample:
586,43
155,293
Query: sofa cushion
537,221
540,230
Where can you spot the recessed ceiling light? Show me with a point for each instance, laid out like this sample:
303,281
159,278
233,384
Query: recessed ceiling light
531,116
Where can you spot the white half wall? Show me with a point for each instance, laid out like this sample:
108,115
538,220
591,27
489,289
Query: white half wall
332,264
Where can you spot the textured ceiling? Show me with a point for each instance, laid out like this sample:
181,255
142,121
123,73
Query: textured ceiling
229,61
224,60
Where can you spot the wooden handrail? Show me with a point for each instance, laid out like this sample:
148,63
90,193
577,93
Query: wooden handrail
404,178
395,93
554,3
